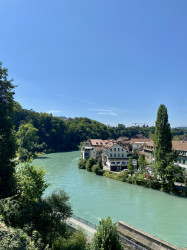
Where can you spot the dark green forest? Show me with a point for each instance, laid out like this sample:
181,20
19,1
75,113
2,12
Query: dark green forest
55,134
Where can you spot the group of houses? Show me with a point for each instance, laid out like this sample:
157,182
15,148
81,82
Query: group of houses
180,147
115,154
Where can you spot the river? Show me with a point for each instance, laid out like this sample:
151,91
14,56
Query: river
93,197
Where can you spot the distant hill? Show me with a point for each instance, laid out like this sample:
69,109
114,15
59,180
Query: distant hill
182,127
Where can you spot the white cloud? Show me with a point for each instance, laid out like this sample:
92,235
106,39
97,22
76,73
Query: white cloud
53,111
111,112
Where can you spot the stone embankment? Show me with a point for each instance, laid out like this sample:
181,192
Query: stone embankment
143,239
133,238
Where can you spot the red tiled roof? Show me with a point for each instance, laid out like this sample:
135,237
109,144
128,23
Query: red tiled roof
150,144
176,145
179,145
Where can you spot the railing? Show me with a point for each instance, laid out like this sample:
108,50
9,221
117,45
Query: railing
86,222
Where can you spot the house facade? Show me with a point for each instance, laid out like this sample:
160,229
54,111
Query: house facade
115,158
92,148
178,146
137,142
148,152
181,148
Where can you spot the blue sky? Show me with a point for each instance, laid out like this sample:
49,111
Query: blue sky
112,61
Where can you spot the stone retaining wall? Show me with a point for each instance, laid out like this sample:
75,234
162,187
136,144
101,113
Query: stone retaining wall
143,239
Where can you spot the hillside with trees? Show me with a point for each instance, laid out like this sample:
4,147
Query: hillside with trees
43,132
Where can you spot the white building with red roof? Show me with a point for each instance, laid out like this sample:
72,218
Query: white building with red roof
116,157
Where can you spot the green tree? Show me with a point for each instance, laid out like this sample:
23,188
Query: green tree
76,242
98,168
30,182
48,216
89,164
162,141
7,137
135,154
141,163
130,166
27,140
82,163
106,237
30,211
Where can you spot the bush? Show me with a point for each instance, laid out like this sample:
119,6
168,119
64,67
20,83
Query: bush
82,163
98,169
14,239
122,176
106,237
90,162
109,174
154,184
76,242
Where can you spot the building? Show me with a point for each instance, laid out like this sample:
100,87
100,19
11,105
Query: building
181,148
115,157
92,148
178,146
148,152
136,142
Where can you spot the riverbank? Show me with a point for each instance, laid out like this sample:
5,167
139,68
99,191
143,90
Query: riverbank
141,179
94,197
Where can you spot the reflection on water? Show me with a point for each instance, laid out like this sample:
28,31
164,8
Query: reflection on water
94,197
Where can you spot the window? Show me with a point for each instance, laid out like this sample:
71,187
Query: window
111,149
114,149
122,155
118,155
122,149
110,155
114,155
118,149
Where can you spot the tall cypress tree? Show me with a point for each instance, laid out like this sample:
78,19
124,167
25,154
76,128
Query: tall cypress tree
7,137
162,139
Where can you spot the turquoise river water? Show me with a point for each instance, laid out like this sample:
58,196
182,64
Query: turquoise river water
94,197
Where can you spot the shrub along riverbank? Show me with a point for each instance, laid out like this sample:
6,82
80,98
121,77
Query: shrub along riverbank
143,179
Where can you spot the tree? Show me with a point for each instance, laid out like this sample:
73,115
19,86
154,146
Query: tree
82,163
135,154
130,166
27,140
141,163
30,182
7,137
162,141
30,211
90,162
76,242
106,237
48,216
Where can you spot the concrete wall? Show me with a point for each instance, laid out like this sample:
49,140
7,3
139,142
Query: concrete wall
143,239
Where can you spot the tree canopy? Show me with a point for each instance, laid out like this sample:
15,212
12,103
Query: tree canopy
7,137
162,137
56,134
106,237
